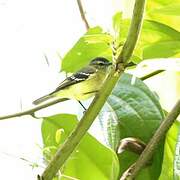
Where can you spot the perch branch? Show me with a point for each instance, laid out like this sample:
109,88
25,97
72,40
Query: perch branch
33,110
133,33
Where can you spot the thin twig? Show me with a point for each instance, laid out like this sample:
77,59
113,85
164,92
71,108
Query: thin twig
153,143
151,74
83,14
64,151
46,59
33,110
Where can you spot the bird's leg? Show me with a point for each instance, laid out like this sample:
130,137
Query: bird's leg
82,105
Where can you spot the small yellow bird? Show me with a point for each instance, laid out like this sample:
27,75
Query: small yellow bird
83,84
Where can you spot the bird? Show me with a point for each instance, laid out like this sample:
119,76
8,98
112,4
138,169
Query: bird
83,84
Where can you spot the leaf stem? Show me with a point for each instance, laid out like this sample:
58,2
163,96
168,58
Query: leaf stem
151,74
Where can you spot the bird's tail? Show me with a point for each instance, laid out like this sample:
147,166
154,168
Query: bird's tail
42,99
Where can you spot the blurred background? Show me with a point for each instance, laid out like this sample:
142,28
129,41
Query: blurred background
34,35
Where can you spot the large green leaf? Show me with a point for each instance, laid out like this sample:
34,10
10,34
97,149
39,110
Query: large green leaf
153,31
162,49
117,20
172,9
152,4
116,23
96,43
132,110
93,44
157,40
153,34
164,11
170,159
91,160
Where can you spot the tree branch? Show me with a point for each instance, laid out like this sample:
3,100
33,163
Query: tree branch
153,143
133,32
83,14
73,140
33,110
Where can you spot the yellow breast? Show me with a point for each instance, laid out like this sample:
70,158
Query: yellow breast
84,89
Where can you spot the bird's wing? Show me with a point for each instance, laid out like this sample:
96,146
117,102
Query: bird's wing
77,77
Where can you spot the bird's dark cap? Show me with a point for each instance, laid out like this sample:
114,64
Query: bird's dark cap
100,60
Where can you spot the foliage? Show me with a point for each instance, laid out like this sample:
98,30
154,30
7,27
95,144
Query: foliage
132,110
94,43
164,11
169,153
90,156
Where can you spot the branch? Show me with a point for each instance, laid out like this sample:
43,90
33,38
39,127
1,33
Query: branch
127,173
33,110
130,43
133,32
83,14
153,143
73,140
151,74
78,133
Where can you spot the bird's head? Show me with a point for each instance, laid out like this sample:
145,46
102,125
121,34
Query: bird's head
100,63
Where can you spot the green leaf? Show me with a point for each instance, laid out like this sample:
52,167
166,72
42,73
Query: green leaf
153,31
91,160
157,35
169,159
172,9
132,110
164,11
93,44
158,40
117,20
163,49
152,4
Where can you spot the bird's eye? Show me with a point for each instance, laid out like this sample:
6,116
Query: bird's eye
101,64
